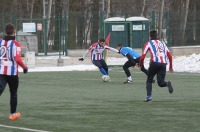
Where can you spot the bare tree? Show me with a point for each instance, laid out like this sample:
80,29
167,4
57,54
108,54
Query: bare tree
95,20
108,9
72,23
185,18
31,12
143,7
161,18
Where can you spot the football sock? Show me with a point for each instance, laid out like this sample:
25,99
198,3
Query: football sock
130,78
103,71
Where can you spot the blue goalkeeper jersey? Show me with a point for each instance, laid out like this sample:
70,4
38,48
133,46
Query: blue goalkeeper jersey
125,50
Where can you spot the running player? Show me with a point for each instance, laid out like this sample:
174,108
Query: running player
10,58
159,57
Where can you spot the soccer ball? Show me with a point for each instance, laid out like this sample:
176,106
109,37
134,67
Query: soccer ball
105,78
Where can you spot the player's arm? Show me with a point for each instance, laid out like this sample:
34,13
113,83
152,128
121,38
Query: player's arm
142,59
111,48
18,59
170,61
86,53
145,50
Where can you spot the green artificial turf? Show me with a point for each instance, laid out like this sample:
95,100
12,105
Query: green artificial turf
79,101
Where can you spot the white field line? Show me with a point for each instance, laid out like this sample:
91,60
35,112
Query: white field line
22,128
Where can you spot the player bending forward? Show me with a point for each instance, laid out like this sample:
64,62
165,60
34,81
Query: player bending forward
97,59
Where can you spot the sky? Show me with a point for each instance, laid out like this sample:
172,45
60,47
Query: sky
189,63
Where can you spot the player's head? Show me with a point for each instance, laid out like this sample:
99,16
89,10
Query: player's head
119,46
101,41
10,29
153,35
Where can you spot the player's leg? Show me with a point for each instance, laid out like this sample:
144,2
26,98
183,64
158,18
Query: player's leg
13,82
161,78
2,83
104,65
127,72
143,69
98,64
151,73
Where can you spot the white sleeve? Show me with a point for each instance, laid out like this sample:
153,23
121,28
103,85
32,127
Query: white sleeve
85,54
112,49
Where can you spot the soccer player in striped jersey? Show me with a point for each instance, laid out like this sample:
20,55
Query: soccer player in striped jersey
97,57
160,55
10,58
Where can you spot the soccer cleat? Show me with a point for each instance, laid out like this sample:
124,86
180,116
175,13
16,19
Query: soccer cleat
170,88
14,116
128,81
147,100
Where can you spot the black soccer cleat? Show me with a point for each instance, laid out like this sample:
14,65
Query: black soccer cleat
128,81
170,88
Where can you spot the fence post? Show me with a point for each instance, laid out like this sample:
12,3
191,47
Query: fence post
45,36
65,30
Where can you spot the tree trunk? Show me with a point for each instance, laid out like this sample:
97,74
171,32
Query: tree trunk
57,33
185,20
48,17
108,9
143,7
72,24
95,21
31,12
161,18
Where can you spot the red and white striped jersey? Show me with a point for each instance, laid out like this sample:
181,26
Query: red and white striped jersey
158,49
10,57
97,51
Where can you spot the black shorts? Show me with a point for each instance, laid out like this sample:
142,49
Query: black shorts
100,63
13,82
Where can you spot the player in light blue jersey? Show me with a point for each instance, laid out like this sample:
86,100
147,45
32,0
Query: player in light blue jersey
133,59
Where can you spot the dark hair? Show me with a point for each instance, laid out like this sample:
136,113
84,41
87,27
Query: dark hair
119,45
101,40
9,29
153,35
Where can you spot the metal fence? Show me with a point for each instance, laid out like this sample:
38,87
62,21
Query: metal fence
44,36
51,35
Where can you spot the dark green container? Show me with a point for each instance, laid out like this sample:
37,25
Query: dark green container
118,29
138,32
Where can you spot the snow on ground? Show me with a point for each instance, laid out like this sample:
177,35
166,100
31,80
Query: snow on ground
180,64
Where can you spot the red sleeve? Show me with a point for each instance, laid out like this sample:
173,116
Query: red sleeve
18,58
142,59
19,61
145,49
170,59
